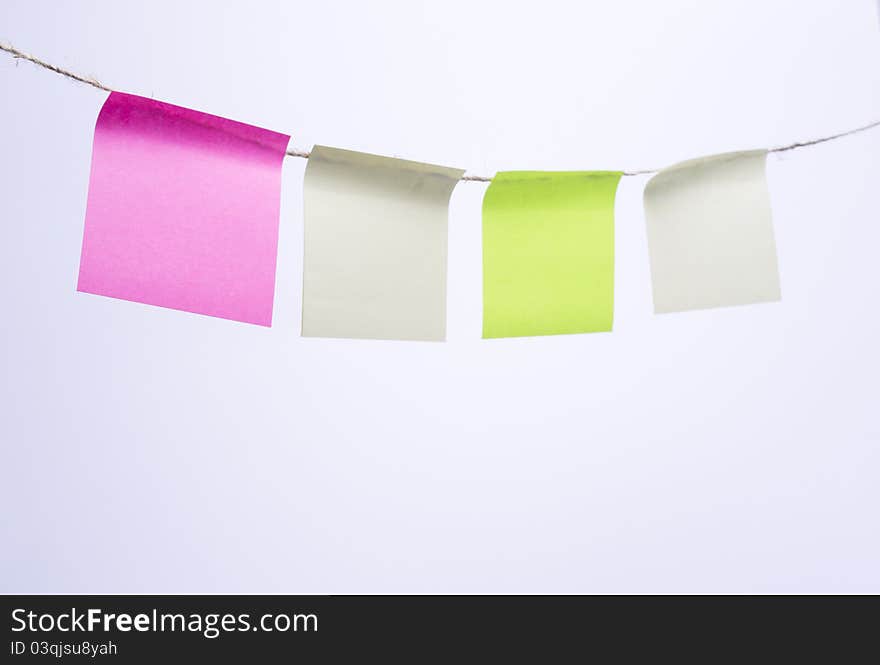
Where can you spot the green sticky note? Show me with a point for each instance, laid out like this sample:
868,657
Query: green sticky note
548,253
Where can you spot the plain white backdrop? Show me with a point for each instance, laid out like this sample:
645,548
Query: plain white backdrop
737,450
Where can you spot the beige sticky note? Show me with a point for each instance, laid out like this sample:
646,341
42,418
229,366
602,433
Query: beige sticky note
375,246
710,233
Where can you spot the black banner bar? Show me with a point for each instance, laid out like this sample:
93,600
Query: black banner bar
135,629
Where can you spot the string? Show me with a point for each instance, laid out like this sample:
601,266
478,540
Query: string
20,55
304,154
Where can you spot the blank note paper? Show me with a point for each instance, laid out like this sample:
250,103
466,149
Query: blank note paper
375,246
548,253
183,210
710,233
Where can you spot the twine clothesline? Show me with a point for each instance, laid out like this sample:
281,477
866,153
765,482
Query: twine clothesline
305,154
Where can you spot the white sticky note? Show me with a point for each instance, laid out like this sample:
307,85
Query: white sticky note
710,233
375,246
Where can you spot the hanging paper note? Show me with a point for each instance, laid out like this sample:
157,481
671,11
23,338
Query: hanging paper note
375,246
183,210
548,253
710,233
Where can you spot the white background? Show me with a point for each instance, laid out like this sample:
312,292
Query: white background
149,450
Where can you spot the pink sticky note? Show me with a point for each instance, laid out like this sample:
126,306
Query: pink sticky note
183,210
